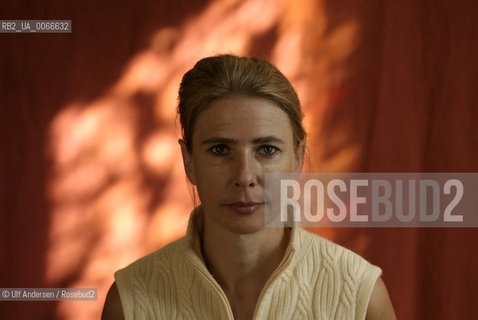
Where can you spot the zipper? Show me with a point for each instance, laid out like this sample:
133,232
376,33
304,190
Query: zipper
198,264
271,279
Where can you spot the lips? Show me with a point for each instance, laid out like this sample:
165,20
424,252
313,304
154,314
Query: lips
245,208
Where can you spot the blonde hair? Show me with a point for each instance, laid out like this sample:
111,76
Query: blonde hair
222,76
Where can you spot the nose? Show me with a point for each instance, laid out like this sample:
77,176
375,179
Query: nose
245,175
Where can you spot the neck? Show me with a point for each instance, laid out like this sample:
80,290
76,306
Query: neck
242,263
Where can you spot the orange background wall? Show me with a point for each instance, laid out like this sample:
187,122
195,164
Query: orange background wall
90,170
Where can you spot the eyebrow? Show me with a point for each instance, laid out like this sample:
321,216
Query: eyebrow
267,139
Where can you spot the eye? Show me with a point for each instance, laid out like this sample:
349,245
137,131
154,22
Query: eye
268,150
219,150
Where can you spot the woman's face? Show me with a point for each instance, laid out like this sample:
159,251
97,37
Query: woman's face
235,142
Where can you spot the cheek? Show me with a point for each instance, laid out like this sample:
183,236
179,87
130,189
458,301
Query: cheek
209,169
286,163
210,187
209,175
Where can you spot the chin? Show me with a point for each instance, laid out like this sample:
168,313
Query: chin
243,224
245,229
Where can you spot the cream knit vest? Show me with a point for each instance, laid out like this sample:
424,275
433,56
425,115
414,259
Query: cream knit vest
316,279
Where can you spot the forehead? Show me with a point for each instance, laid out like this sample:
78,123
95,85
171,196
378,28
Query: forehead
247,117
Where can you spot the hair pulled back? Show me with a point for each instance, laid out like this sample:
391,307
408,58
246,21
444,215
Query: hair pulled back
222,76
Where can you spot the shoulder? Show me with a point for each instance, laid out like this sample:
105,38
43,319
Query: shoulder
162,257
359,276
331,252
133,281
380,307
112,308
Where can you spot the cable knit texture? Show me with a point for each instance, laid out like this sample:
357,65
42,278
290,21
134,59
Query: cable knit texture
316,279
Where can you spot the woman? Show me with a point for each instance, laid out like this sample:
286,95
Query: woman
241,118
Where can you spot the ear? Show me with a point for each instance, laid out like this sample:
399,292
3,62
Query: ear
188,162
299,158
